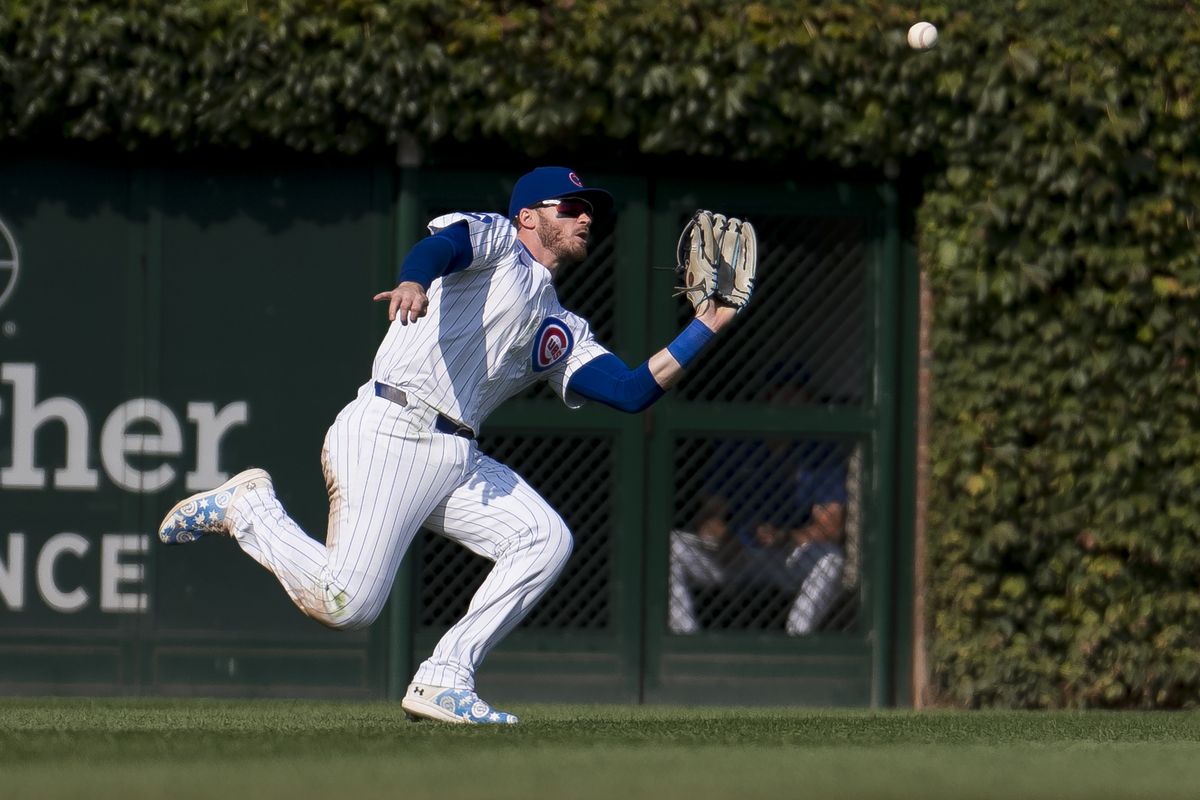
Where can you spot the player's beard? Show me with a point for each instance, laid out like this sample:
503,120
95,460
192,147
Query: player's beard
568,248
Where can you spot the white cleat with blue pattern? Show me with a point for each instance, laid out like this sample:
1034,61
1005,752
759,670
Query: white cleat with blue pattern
461,706
205,512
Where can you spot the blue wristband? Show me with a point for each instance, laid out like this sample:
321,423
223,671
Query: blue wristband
690,342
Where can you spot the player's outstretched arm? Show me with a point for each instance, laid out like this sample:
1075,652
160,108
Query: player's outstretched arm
609,381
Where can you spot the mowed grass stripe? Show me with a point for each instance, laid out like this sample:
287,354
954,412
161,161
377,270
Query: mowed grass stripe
200,749
935,772
357,723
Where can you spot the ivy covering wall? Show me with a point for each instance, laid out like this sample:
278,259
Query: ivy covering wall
1060,158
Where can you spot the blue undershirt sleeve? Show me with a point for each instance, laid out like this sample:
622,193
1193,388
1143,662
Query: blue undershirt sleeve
607,380
448,250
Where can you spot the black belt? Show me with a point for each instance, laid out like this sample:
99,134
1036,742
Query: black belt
443,423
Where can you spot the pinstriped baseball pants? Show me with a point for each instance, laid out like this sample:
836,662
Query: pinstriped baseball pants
389,473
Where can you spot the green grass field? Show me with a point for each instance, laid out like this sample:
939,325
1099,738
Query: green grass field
131,749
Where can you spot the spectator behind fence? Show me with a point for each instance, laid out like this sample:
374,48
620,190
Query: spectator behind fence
773,515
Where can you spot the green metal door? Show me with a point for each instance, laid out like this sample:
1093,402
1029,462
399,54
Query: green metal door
827,307
769,524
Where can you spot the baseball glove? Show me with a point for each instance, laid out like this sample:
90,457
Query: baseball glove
717,256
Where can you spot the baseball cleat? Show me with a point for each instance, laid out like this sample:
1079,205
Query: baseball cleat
461,706
204,513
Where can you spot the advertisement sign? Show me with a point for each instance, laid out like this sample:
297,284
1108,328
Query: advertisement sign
156,338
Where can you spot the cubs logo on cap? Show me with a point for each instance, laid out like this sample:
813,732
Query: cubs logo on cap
551,344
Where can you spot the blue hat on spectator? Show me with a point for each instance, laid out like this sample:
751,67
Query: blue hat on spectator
551,183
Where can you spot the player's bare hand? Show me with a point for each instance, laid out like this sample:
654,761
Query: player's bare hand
408,300
716,315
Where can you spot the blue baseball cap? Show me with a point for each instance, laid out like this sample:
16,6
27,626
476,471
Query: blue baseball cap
551,183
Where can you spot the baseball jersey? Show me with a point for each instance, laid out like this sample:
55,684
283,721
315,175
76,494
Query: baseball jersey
491,330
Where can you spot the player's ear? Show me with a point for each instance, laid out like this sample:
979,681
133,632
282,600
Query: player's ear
526,218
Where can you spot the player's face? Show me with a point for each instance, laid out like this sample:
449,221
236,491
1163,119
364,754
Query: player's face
565,229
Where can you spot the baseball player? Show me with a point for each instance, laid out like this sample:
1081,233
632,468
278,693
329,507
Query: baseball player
475,320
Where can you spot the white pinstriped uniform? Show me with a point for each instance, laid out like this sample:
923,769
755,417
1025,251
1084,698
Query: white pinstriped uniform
490,331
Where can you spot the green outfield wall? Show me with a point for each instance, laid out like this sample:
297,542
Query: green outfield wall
167,323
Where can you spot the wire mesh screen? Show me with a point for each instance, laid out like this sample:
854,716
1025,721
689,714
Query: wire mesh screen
808,315
767,535
575,475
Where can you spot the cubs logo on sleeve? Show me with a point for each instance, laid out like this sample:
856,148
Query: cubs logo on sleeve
551,344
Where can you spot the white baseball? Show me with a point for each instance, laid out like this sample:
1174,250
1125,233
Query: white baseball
922,36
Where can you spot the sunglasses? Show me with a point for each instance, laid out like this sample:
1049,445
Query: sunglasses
569,206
